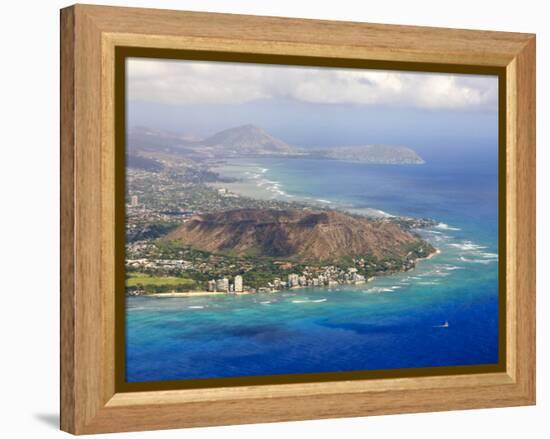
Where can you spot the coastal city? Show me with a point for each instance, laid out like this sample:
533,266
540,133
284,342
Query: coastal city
330,277
163,193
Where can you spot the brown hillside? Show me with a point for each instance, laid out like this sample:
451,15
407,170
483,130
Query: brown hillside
303,234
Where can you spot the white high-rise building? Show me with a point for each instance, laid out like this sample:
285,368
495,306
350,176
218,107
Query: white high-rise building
238,283
293,280
222,285
134,201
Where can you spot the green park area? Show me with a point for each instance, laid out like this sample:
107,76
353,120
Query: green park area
157,284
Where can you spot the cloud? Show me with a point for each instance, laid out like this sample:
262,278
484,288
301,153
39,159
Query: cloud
198,82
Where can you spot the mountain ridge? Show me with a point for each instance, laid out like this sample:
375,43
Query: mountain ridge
298,234
249,139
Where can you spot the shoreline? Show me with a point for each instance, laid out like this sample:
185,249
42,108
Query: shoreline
273,190
260,187
193,294
175,294
184,294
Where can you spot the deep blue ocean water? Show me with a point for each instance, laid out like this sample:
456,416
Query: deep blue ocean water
392,322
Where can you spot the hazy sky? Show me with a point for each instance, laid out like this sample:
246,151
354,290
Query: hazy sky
313,107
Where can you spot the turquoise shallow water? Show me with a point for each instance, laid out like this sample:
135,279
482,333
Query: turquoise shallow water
392,322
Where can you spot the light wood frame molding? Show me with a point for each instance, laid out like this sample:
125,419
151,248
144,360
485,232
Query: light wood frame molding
89,36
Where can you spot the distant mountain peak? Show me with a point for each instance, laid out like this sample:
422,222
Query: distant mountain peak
249,126
248,139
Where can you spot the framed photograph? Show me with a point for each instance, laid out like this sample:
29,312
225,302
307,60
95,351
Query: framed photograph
268,219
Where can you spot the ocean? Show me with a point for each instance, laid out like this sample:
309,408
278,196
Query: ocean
396,321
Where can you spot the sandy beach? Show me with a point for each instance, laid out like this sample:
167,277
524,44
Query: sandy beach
187,294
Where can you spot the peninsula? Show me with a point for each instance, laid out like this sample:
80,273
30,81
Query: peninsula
253,141
259,250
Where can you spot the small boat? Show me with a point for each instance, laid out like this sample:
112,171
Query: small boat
444,325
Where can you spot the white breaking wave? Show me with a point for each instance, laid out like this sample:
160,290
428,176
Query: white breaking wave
474,254
272,186
440,237
476,261
452,267
444,226
379,290
309,301
269,185
382,213
196,307
266,302
468,246
489,255
437,272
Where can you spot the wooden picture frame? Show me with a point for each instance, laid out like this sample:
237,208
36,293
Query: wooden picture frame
90,38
